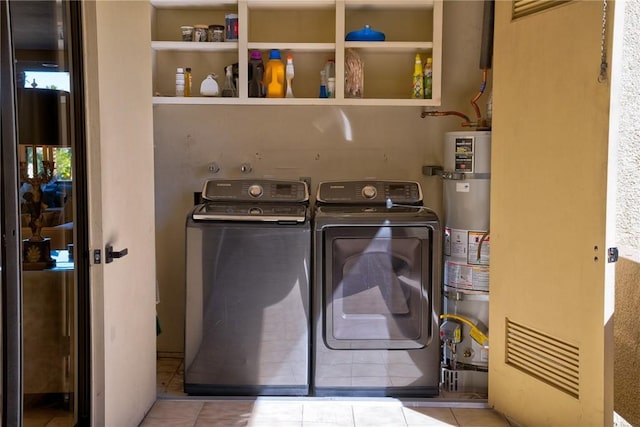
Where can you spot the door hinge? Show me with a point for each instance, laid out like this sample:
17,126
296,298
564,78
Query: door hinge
612,254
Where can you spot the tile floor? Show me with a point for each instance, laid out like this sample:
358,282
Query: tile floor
174,408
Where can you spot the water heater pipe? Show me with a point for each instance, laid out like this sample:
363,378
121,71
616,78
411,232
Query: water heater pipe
475,333
486,58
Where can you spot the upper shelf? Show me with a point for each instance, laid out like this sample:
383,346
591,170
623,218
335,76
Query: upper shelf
350,4
312,31
192,4
194,47
218,100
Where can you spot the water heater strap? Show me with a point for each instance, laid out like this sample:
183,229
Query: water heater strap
456,176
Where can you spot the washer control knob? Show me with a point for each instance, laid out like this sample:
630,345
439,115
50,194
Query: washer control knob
369,192
255,190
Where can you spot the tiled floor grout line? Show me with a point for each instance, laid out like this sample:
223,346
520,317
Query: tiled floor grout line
453,414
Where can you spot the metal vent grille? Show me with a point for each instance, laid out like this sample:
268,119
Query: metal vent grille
529,7
544,357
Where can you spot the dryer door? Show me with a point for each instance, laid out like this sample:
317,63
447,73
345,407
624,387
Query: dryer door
378,287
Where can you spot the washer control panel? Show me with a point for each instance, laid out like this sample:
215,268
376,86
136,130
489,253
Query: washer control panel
369,192
245,190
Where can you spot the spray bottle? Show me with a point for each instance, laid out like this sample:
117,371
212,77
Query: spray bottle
229,89
289,73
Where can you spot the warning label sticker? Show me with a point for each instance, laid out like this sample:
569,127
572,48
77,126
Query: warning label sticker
478,253
455,243
465,276
464,154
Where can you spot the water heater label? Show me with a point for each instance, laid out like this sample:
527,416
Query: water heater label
463,187
455,243
464,276
464,154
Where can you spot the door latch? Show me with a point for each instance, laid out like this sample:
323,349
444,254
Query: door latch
612,254
110,254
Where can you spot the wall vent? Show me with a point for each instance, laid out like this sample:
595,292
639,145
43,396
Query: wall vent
529,7
544,357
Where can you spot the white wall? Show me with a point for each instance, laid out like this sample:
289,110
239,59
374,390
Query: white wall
628,206
289,142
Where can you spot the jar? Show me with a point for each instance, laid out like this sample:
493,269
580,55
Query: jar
187,33
216,33
200,33
231,24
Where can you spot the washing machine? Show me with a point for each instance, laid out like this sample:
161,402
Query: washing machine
376,294
248,260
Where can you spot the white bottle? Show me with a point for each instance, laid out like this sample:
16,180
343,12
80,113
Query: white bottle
180,82
288,74
331,87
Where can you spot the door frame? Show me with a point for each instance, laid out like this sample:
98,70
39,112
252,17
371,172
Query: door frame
11,259
12,388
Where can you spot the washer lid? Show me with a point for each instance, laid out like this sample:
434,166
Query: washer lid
253,212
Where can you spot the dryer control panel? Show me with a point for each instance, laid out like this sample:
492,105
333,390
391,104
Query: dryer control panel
258,190
369,192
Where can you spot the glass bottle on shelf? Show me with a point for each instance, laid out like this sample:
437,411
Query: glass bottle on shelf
187,81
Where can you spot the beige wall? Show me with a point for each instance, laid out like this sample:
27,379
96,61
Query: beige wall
626,319
627,341
319,142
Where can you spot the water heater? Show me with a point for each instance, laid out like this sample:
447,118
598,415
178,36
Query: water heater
464,327
467,165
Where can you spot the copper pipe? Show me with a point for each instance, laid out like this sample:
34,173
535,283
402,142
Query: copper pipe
482,88
445,113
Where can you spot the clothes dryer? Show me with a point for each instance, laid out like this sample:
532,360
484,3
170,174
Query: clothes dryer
376,297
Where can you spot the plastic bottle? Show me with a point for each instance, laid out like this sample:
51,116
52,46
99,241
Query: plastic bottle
187,81
289,73
417,91
274,75
229,89
329,70
179,82
331,87
428,78
256,74
323,84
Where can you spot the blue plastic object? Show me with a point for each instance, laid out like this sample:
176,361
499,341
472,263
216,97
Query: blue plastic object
365,35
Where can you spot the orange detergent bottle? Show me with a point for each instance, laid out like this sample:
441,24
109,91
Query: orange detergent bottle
274,75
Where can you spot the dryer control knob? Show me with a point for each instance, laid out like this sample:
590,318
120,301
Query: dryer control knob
369,192
255,190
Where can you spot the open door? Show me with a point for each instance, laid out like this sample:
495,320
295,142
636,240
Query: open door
551,282
121,209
